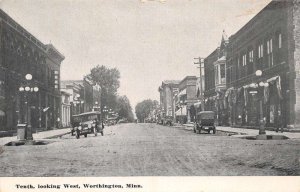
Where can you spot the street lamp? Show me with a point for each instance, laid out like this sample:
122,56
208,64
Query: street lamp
260,85
28,88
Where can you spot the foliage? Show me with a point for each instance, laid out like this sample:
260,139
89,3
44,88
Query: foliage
144,108
124,108
108,80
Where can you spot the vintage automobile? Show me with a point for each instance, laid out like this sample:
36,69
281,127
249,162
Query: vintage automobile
205,121
168,120
87,123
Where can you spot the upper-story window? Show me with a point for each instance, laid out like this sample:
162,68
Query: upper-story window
260,51
251,56
244,60
279,40
270,52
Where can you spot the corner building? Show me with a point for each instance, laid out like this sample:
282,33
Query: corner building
20,54
270,43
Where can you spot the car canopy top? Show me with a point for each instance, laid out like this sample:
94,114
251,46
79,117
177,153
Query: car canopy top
206,114
86,116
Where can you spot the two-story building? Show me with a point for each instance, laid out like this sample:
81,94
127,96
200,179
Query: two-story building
186,97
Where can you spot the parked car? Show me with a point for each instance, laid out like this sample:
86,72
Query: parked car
87,123
168,120
205,121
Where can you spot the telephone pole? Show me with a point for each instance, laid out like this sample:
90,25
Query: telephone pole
200,61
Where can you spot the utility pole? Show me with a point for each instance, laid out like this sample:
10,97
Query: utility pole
199,59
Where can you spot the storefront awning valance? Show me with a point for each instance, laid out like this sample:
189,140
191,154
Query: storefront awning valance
183,92
198,104
2,113
181,112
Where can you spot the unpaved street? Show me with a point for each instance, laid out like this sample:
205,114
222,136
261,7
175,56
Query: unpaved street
152,150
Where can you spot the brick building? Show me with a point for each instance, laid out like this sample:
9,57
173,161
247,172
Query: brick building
21,54
262,64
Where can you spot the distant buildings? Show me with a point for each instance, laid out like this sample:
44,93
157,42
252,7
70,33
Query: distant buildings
187,96
84,95
21,53
167,91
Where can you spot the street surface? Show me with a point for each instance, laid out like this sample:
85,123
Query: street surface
152,150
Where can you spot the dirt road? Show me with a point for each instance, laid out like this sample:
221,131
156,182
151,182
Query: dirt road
152,150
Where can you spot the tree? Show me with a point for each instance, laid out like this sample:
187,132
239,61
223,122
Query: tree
144,108
108,80
124,108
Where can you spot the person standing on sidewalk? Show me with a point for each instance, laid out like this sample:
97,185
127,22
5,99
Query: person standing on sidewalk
279,123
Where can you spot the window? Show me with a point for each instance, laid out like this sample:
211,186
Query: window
251,56
260,51
269,46
216,74
222,73
279,41
244,60
270,52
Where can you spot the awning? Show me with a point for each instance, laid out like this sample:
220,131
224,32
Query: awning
181,112
2,113
198,104
183,92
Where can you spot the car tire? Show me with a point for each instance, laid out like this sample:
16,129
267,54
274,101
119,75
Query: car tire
214,131
85,135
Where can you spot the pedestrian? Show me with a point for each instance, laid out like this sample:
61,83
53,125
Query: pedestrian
58,122
279,122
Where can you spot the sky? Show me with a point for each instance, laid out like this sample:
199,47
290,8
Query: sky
147,40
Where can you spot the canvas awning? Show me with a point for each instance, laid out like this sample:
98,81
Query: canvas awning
2,113
198,104
181,111
183,92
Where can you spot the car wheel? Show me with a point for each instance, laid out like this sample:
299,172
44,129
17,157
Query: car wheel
214,131
85,135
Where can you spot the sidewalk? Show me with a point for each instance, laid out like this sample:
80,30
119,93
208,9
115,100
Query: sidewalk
39,135
242,131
